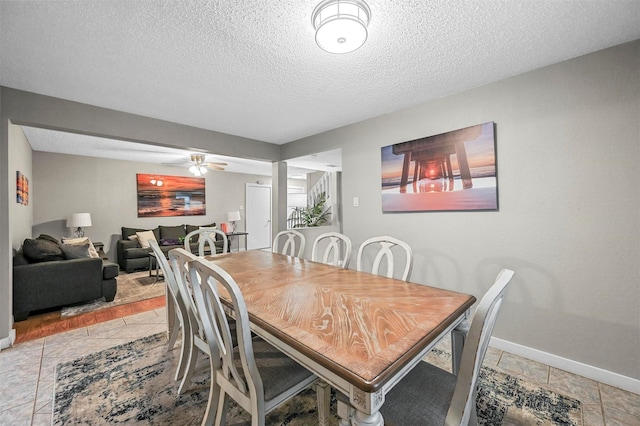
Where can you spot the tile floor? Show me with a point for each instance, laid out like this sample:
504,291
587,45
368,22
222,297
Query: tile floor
27,373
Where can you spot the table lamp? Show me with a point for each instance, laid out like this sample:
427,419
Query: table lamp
233,217
79,220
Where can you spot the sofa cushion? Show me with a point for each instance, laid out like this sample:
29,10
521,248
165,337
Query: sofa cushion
20,259
172,232
127,232
72,251
170,242
39,250
80,242
144,237
136,253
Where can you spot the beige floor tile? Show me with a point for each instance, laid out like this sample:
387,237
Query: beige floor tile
584,389
523,367
149,317
492,357
17,415
620,404
17,389
44,419
592,414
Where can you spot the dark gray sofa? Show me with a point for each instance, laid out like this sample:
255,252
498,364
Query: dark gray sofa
132,257
54,281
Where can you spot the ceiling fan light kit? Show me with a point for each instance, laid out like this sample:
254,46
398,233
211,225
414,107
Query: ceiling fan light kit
341,25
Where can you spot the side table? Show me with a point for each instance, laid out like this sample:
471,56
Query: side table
237,234
100,249
153,263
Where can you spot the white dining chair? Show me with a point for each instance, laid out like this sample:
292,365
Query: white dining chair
194,340
289,245
256,375
385,254
431,396
337,249
177,317
206,237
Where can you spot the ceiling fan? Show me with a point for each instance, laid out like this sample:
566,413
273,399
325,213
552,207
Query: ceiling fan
199,166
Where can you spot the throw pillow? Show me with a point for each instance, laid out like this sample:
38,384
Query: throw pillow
170,242
144,237
72,251
80,242
41,250
172,232
135,239
48,238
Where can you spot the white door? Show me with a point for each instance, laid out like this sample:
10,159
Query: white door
258,214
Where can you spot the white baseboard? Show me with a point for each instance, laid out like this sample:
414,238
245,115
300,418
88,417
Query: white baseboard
594,373
7,342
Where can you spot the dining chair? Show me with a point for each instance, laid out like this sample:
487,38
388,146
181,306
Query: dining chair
206,237
336,243
430,395
255,374
177,318
289,246
194,339
384,245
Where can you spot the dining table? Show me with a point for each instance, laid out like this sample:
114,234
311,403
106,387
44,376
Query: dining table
358,332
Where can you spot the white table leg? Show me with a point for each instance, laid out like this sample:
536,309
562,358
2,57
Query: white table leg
361,419
323,392
344,413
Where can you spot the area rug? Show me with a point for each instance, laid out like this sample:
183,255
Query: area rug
133,384
131,288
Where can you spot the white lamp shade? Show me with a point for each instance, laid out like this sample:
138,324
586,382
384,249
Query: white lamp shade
79,220
233,216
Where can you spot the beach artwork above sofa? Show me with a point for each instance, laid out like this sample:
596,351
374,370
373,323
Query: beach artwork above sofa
451,171
161,196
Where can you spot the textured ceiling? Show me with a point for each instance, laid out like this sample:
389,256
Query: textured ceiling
251,67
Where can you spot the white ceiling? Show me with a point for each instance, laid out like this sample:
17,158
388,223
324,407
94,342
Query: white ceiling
251,67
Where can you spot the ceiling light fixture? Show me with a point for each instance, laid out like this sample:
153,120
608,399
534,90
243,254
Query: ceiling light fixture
198,168
341,25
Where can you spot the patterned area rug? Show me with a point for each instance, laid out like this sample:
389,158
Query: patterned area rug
133,384
131,288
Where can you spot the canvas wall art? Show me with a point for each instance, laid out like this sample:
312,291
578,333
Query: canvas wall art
22,189
161,196
453,171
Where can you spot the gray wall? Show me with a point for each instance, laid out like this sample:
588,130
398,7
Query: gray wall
20,159
65,184
568,141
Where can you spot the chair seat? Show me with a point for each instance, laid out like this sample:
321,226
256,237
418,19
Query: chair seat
279,372
401,407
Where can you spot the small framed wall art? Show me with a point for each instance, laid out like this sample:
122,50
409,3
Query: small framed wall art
22,189
453,171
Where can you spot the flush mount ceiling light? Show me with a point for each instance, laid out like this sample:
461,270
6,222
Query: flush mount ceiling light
341,25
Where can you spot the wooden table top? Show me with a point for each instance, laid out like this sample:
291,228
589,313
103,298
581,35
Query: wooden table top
362,327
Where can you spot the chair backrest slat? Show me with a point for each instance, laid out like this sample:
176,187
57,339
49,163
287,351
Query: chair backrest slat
289,246
206,237
336,244
385,245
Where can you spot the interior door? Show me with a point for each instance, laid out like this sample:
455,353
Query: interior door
258,215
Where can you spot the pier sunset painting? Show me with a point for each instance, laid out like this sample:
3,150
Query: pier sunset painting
161,196
453,171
